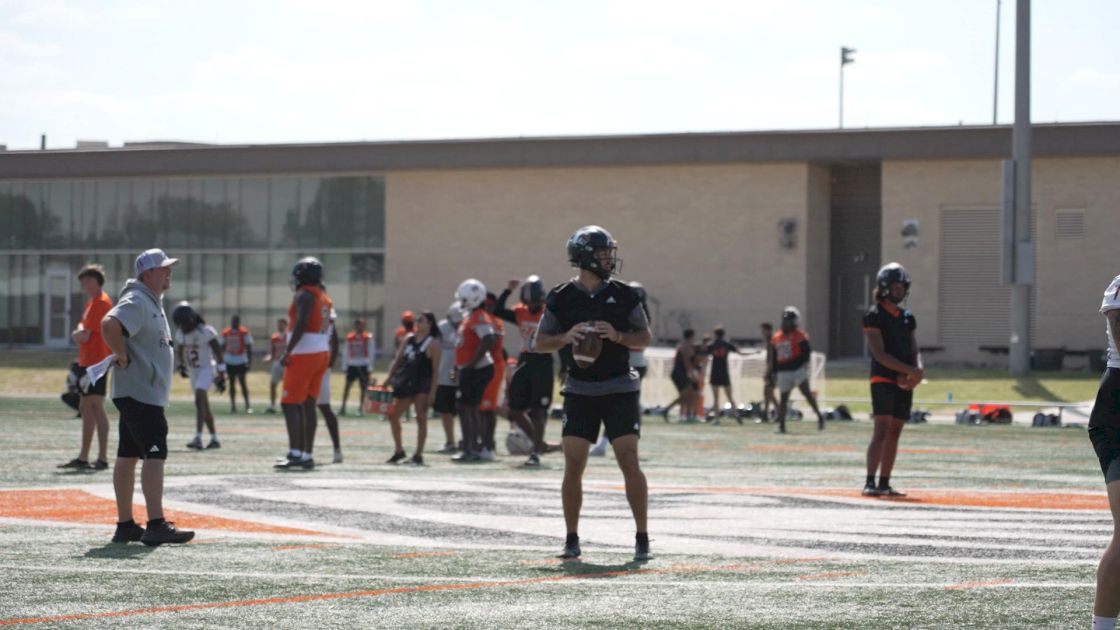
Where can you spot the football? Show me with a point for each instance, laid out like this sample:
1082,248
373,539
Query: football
587,351
905,383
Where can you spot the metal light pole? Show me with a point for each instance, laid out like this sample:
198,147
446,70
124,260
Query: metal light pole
845,59
1020,259
995,90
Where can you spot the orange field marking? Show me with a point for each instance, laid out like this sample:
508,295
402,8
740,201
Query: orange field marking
940,451
425,554
803,448
295,547
79,506
399,590
959,498
964,586
830,575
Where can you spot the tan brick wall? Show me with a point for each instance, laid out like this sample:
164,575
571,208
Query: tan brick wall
703,239
1070,273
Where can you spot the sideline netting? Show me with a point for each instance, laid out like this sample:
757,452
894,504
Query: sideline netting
746,377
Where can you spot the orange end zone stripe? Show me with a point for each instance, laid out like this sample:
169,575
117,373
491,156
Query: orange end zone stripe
958,498
964,586
428,588
79,506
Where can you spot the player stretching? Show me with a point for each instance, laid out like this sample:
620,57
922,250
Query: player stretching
305,361
606,392
1104,432
896,368
530,390
197,349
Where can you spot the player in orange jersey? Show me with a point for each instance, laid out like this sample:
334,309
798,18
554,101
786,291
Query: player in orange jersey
276,347
237,348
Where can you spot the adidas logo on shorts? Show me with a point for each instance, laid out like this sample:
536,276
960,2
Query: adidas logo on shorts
154,449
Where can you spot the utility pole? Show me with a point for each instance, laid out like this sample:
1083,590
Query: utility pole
845,59
995,89
1018,254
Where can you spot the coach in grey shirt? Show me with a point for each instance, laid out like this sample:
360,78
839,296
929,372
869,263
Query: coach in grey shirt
137,332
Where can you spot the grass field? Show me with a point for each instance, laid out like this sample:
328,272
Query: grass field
1002,528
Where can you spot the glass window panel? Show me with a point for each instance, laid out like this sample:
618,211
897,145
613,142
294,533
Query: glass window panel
336,276
5,292
7,209
108,215
311,212
31,223
253,304
373,209
59,203
284,211
31,300
139,223
173,214
253,205
336,208
85,214
279,291
366,284
212,288
212,223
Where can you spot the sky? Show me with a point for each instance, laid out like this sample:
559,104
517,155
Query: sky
276,71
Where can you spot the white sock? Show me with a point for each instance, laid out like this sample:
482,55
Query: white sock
198,436
295,452
214,436
306,456
1104,623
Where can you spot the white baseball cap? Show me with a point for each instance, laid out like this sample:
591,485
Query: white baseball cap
153,259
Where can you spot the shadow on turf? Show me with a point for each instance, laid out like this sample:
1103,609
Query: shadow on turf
117,551
589,569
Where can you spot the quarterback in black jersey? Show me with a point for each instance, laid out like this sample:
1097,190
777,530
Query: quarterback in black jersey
607,391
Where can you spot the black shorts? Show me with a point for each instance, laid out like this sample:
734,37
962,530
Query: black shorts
530,387
888,399
682,381
472,385
445,399
143,430
620,415
424,387
237,370
641,370
719,379
357,373
98,388
1104,424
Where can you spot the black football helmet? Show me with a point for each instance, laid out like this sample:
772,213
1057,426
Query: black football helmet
308,270
889,274
532,290
185,316
582,246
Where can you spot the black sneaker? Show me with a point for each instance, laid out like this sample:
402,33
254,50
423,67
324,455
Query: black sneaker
571,550
128,533
78,464
870,490
165,532
641,552
289,463
396,458
214,444
307,464
195,444
534,461
448,449
99,465
416,460
887,491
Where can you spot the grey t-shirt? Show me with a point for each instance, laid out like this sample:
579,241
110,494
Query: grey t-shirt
621,385
148,341
449,337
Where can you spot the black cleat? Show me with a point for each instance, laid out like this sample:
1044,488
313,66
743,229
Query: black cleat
77,464
99,465
870,490
165,532
214,444
127,533
397,457
307,464
534,461
416,460
641,552
887,491
571,550
291,462
195,444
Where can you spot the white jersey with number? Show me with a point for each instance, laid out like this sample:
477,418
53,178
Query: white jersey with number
1111,302
196,347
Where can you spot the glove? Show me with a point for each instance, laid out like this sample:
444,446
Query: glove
183,371
220,383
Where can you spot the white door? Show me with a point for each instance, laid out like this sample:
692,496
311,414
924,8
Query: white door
56,311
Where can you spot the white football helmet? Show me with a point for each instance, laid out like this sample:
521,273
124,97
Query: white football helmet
471,294
455,313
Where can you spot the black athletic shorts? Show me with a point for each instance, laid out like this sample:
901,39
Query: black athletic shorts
237,370
423,387
143,430
98,388
530,387
888,399
445,399
719,379
357,373
472,384
1104,424
682,381
620,414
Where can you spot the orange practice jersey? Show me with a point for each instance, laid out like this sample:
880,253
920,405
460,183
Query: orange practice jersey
234,341
318,324
95,349
470,339
787,347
